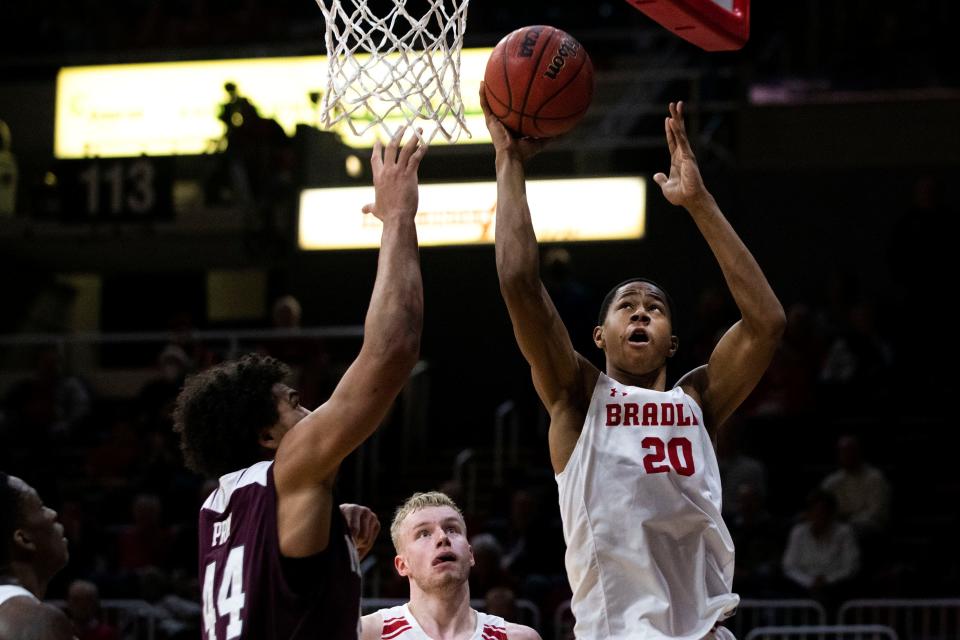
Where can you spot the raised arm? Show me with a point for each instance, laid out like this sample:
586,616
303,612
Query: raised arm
745,350
559,373
310,454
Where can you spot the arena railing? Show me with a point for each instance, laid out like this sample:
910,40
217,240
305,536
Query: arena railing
913,619
752,613
824,632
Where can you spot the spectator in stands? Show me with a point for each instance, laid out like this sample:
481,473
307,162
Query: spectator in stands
861,490
501,601
177,618
488,572
859,358
8,174
50,402
570,295
737,469
147,541
32,551
788,387
157,397
757,536
306,357
822,554
83,609
115,458
88,553
533,552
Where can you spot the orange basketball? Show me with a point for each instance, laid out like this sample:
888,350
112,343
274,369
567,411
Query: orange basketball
539,81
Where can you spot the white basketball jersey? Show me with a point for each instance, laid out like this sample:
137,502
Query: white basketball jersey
8,591
399,624
648,555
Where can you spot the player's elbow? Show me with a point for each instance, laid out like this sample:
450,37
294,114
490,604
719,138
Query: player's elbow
397,351
767,324
517,282
517,265
775,322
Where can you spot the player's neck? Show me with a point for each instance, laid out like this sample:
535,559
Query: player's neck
443,614
27,577
655,380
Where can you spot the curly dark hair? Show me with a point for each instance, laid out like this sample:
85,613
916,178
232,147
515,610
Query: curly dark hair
221,411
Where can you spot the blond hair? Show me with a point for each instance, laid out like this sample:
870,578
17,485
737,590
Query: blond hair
416,502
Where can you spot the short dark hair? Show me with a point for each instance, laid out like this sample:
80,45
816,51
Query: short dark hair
608,300
9,517
220,412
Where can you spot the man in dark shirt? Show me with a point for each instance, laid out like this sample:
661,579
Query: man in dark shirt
277,559
32,551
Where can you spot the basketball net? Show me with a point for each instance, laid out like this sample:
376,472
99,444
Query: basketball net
380,75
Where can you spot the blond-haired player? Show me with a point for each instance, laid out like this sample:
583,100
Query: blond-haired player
430,537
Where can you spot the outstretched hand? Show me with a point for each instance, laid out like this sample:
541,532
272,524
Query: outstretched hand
363,525
684,187
503,140
395,176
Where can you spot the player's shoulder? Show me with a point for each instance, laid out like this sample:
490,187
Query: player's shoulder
589,375
24,618
371,626
256,475
521,632
694,382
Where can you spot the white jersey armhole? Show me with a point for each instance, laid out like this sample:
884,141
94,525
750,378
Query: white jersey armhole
578,447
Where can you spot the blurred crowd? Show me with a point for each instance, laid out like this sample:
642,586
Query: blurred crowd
818,467
834,473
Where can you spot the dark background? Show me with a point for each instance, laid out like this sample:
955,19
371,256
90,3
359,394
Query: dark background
843,187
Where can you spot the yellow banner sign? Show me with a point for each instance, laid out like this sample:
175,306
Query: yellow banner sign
464,213
171,108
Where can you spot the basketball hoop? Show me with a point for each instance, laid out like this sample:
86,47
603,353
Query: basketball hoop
396,69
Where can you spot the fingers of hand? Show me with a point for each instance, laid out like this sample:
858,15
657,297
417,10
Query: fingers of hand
372,528
660,179
418,154
376,157
390,157
368,208
408,150
671,137
484,105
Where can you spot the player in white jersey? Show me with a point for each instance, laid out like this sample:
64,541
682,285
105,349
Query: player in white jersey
430,537
32,551
648,555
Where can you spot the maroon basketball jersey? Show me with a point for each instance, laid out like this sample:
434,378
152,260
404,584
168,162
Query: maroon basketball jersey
250,591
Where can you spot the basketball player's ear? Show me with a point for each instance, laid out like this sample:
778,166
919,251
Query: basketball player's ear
400,565
269,437
598,337
473,560
674,345
23,540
